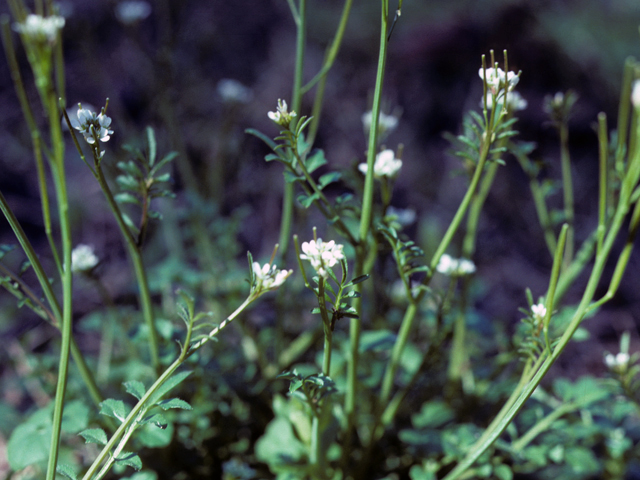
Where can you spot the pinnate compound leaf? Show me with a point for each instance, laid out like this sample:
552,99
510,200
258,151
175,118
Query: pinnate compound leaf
129,459
135,388
174,403
94,435
66,471
114,408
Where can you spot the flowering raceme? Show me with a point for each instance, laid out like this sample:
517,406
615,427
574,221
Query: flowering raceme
322,255
386,165
539,311
83,258
282,116
41,28
88,119
455,267
268,277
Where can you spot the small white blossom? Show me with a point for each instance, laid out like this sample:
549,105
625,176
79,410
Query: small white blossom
635,94
619,361
232,91
41,28
268,277
515,101
386,165
539,311
88,119
282,116
386,123
133,11
497,79
455,267
322,255
83,258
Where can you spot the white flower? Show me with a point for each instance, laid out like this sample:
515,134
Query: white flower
88,119
130,12
41,28
386,165
635,94
515,101
497,79
83,258
282,116
268,277
232,91
322,255
455,266
386,123
539,311
619,361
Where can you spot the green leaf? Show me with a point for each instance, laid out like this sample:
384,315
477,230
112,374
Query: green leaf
146,475
174,403
135,388
94,435
328,178
315,160
582,461
377,340
127,182
129,223
262,136
433,414
503,472
66,471
156,419
151,141
114,408
357,280
165,177
131,168
169,385
29,443
307,200
166,159
126,197
130,460
75,417
153,437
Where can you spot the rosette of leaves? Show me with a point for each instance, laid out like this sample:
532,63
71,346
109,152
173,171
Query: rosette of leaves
141,181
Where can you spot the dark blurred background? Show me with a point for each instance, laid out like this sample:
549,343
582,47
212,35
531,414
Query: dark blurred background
165,70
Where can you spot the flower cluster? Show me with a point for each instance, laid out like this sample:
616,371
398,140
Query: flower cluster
498,84
538,312
386,123
455,267
617,362
89,122
635,94
83,258
232,91
322,255
41,28
268,277
386,165
282,116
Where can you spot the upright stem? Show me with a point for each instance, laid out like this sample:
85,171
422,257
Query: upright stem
567,189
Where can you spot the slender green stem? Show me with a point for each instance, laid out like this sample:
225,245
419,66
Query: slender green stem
567,189
542,425
603,193
67,303
138,266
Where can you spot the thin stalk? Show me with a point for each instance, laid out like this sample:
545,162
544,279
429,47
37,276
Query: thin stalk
300,18
541,426
604,181
135,254
567,189
59,180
